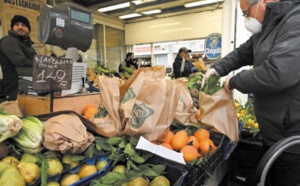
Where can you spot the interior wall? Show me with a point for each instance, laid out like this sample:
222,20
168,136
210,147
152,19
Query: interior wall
190,26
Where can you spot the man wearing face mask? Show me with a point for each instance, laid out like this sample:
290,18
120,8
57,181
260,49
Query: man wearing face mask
274,52
16,56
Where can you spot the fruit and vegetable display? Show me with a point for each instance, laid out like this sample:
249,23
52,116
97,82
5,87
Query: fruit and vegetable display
99,146
24,156
246,116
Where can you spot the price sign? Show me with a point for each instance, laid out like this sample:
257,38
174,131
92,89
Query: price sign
52,73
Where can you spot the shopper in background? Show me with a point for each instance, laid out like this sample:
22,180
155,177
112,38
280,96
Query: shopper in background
129,61
189,68
16,56
274,52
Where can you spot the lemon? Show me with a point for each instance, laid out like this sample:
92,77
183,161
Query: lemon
86,170
160,181
101,164
138,181
119,168
55,167
69,179
53,184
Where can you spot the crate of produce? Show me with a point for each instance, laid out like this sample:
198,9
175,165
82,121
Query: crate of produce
197,175
88,170
243,163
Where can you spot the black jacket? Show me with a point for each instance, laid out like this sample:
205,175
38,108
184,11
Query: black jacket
187,67
16,58
275,77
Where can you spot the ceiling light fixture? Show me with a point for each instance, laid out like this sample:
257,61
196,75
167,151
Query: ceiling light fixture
155,11
138,2
129,16
200,3
114,7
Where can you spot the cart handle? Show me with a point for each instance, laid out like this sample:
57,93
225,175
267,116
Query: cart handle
271,155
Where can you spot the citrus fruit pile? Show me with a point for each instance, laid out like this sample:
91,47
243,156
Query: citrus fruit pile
193,146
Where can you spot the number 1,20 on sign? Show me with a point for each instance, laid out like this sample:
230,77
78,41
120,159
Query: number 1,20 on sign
57,76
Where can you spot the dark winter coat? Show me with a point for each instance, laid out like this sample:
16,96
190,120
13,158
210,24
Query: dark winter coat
275,77
16,58
187,67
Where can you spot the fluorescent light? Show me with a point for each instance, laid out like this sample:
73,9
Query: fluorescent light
129,16
142,1
200,3
155,11
114,7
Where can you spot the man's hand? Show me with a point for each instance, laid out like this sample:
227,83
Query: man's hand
209,73
226,84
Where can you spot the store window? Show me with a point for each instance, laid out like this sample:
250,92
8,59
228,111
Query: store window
115,47
165,52
107,48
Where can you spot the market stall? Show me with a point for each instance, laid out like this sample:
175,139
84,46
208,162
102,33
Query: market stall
139,127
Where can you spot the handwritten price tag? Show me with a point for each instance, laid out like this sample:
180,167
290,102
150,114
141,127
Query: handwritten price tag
52,73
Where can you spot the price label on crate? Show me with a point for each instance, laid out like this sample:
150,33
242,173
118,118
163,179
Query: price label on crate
52,73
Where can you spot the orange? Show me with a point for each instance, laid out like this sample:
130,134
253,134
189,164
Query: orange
167,145
204,146
86,107
169,137
201,134
179,140
198,116
89,113
195,141
189,153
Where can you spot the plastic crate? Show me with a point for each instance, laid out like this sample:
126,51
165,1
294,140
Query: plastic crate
230,146
243,163
96,175
173,172
196,175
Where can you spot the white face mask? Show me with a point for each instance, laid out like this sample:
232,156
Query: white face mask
252,24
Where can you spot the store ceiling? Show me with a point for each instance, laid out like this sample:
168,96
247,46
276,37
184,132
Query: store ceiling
168,8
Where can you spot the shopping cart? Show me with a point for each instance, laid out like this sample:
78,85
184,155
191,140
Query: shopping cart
271,155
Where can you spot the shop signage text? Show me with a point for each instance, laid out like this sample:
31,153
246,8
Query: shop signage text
24,4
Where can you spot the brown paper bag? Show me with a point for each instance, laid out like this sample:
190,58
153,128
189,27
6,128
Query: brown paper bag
107,118
153,108
185,111
11,107
218,111
200,65
154,72
66,133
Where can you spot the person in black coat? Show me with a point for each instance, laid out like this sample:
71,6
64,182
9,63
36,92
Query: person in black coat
16,55
129,61
188,69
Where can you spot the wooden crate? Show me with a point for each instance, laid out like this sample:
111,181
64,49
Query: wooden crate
34,105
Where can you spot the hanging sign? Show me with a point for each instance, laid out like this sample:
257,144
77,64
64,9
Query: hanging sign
52,73
212,45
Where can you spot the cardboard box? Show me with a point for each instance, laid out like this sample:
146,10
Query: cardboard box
34,105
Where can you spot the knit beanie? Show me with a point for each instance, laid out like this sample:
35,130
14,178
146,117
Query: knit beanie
22,19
